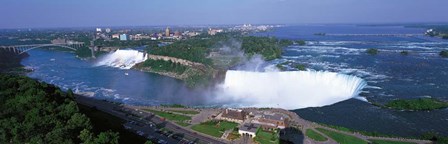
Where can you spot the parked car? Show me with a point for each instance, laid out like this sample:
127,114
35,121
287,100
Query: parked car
126,127
158,131
150,137
140,133
162,142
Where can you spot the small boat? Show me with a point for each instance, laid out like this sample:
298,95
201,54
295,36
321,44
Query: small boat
126,73
52,59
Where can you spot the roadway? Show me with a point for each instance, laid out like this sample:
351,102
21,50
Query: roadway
187,132
144,121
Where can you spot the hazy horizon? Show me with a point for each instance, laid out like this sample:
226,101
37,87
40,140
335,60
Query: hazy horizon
115,13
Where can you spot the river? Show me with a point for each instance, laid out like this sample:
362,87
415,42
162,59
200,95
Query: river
389,76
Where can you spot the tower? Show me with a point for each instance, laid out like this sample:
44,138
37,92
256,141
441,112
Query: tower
167,32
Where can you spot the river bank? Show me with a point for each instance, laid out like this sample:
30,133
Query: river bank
10,61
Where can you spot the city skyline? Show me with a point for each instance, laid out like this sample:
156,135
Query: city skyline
83,13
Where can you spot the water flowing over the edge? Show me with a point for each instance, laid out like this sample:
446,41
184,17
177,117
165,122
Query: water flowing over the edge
289,90
124,59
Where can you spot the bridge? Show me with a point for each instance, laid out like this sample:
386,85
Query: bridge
20,49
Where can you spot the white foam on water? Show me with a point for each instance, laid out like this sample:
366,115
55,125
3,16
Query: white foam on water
289,90
328,49
124,59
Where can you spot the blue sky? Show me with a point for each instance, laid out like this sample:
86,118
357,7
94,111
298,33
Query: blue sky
82,13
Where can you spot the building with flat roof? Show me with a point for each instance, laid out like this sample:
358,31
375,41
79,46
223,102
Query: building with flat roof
214,31
248,129
123,37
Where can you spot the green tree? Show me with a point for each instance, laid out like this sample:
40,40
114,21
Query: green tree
41,113
107,138
372,51
444,53
404,53
149,142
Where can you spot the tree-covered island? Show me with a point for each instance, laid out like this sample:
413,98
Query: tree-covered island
419,104
200,59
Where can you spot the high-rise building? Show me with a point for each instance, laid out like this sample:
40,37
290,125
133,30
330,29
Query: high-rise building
167,32
98,29
123,37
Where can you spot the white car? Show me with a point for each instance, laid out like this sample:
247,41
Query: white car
162,142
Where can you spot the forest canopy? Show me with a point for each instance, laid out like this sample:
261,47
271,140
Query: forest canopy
34,112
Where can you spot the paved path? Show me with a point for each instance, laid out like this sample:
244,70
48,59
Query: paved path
109,108
226,134
243,140
204,115
186,131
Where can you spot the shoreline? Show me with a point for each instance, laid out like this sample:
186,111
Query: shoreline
296,120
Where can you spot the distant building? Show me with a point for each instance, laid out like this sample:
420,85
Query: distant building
58,41
108,30
117,36
167,32
234,115
248,129
177,34
138,37
214,31
192,34
98,29
123,37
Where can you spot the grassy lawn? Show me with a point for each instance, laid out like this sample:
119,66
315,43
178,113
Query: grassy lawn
315,136
388,142
339,128
214,128
169,116
366,133
233,135
342,138
264,137
185,112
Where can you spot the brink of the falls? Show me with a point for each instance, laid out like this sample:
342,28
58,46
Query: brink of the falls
289,90
124,59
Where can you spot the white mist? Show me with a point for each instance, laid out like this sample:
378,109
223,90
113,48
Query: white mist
289,90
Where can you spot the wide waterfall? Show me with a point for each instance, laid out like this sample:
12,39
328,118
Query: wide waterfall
124,59
289,90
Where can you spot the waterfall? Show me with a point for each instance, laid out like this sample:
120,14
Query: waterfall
289,90
124,59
